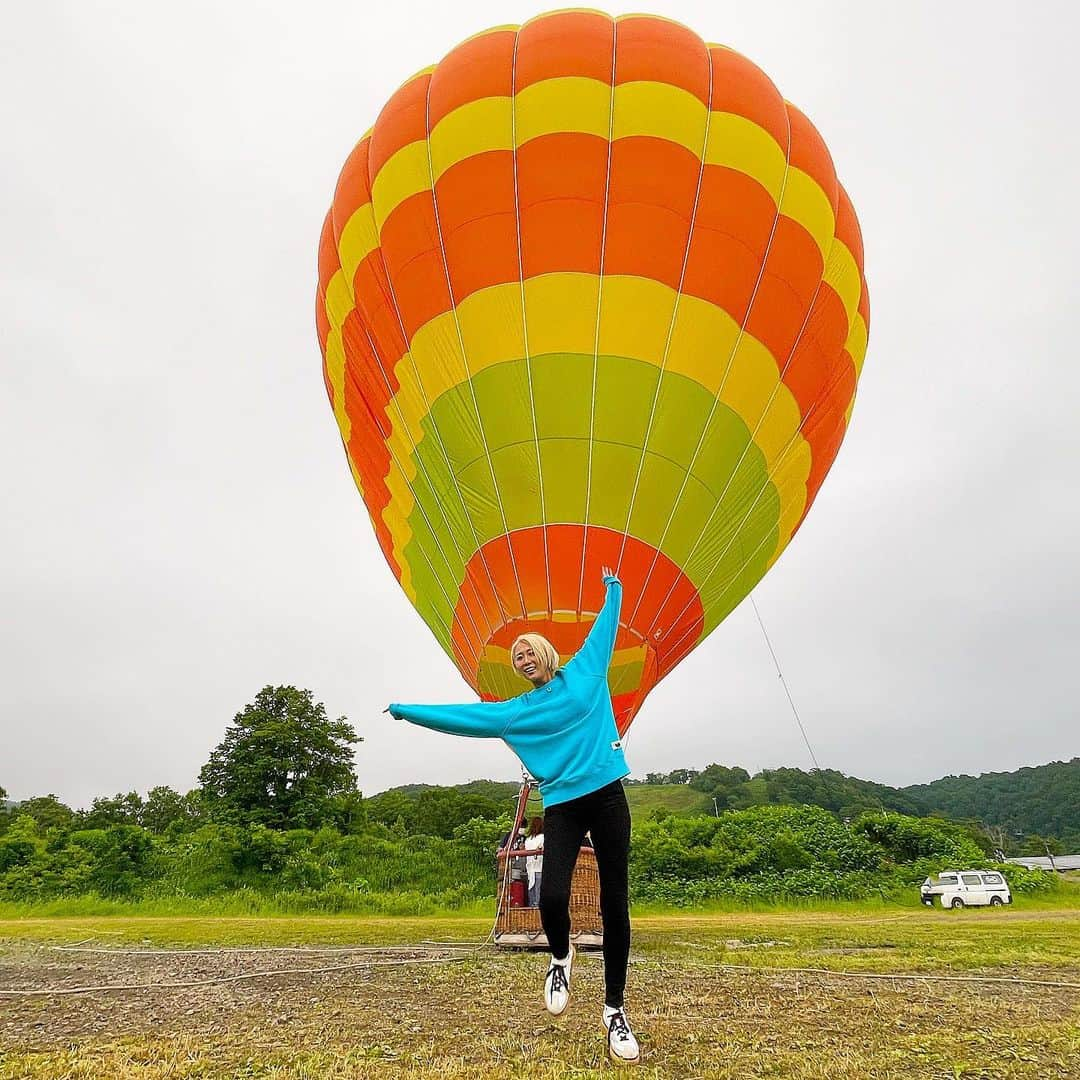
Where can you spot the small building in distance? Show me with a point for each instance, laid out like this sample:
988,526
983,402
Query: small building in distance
1061,863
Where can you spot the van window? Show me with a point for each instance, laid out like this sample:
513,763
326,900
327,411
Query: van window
947,879
971,879
993,879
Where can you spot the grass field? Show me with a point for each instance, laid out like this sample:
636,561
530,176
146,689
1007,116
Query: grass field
711,995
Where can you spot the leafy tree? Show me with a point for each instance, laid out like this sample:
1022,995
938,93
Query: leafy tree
117,810
165,809
282,762
48,811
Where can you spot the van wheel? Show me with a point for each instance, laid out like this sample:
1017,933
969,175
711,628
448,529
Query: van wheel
995,901
956,902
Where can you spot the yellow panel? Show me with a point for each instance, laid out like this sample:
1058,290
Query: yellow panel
403,175
856,342
491,325
572,103
703,339
850,409
561,313
496,654
474,128
358,240
842,274
335,370
789,476
806,203
738,143
401,500
753,390
338,303
635,315
661,110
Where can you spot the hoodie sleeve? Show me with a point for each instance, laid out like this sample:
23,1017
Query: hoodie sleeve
594,656
480,719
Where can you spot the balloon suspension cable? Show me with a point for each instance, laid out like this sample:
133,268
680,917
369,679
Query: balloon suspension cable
783,681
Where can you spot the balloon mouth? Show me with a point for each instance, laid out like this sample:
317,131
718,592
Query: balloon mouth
661,619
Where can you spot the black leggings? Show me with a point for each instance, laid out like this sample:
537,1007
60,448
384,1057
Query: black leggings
605,814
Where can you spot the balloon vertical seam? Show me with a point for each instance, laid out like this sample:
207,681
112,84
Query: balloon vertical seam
525,326
599,308
464,358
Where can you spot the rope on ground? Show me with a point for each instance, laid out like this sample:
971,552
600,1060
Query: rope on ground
1012,980
59,991
241,950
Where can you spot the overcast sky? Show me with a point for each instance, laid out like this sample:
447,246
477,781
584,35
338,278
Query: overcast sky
179,525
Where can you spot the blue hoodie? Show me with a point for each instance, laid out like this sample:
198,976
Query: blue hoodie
564,732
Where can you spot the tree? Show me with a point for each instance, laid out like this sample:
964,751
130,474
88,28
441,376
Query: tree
281,764
104,811
164,808
48,811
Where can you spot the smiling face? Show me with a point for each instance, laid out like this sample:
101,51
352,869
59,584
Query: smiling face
530,660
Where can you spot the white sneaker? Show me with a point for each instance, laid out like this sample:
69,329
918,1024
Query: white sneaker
622,1047
557,984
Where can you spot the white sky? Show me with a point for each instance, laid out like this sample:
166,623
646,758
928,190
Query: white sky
179,525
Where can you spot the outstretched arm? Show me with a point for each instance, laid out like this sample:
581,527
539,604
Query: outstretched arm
480,719
594,656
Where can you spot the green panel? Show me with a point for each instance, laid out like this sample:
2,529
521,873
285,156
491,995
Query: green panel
440,499
430,602
502,394
481,500
517,478
741,571
659,484
455,419
562,384
613,469
566,464
682,408
695,506
624,395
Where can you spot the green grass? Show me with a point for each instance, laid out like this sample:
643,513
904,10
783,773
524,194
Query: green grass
711,995
675,798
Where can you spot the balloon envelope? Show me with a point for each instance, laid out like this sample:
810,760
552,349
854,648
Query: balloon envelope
589,293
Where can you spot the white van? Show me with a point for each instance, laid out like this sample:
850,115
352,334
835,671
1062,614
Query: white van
966,888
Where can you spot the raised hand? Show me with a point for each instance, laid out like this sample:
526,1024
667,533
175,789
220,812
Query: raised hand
606,572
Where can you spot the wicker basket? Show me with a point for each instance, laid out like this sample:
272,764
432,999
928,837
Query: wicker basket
519,927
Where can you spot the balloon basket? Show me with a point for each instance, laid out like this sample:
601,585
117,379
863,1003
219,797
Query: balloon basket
519,927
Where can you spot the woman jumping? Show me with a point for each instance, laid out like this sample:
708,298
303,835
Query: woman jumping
563,730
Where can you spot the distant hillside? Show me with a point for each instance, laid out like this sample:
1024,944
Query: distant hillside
1044,799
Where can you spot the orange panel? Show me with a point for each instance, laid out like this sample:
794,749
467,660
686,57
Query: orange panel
812,361
793,270
353,188
565,43
660,51
561,182
810,154
653,184
477,68
410,246
479,222
739,86
734,219
376,303
402,121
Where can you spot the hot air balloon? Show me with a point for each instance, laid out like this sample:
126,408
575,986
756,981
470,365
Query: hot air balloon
589,293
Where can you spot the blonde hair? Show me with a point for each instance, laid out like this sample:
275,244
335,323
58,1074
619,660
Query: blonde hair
540,645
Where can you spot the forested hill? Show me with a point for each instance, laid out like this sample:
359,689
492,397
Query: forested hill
1029,804
1044,799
